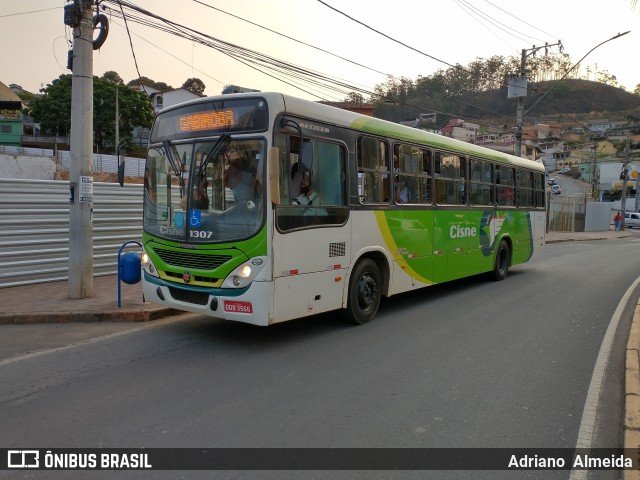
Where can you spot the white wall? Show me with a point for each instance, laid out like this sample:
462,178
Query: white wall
27,167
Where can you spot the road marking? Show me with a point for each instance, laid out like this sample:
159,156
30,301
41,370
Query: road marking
587,425
152,324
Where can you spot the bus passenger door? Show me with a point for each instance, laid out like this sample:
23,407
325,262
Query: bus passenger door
311,239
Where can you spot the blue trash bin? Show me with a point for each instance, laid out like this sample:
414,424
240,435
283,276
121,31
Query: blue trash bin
130,271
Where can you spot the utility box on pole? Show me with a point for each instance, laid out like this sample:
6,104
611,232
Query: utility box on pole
80,284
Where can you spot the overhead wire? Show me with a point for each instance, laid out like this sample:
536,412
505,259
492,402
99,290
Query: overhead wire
293,39
387,36
245,56
133,52
495,23
238,53
520,20
465,9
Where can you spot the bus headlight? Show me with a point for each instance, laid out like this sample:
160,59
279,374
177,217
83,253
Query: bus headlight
245,274
147,265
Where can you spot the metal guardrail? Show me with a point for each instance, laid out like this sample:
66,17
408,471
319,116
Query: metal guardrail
34,228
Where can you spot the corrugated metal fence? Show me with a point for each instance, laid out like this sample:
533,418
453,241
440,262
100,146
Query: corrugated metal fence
34,228
133,167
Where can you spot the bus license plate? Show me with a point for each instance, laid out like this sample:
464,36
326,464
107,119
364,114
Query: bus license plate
238,307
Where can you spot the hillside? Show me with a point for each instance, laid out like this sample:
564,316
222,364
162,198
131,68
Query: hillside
575,97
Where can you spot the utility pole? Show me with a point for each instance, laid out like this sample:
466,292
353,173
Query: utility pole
624,177
519,89
117,139
80,282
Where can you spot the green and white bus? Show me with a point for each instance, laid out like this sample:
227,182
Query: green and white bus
262,208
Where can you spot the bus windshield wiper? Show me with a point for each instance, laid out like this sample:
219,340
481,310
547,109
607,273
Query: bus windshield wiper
167,151
176,165
222,142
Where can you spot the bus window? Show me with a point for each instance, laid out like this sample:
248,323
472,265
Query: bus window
450,173
481,185
373,171
526,197
412,174
505,186
315,196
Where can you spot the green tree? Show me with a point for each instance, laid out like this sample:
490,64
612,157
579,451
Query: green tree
354,98
53,109
194,85
146,81
134,110
636,91
113,77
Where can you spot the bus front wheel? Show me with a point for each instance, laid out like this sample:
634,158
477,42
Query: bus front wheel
501,264
365,290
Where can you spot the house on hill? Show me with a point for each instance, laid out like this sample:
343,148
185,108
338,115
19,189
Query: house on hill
10,117
160,99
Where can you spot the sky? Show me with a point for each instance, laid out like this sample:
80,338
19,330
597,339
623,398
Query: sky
435,35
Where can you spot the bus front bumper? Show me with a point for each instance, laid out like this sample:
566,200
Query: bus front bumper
251,304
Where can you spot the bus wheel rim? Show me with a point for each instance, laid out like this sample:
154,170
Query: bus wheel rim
367,292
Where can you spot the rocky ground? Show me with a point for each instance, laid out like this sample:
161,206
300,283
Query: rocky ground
106,177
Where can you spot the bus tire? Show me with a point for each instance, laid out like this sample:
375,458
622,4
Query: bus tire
365,291
501,262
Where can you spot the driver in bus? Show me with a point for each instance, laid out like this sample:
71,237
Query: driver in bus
307,195
240,175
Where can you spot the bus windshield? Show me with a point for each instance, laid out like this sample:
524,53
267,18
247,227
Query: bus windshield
204,192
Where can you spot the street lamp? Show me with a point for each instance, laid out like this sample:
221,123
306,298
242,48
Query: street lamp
521,115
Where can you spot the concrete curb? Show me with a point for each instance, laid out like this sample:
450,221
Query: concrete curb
632,392
140,315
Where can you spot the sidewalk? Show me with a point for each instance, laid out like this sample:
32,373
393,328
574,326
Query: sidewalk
49,303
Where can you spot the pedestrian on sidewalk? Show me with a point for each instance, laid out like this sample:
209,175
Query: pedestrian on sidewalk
617,221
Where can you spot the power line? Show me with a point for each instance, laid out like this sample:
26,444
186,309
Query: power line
135,60
27,13
466,10
520,20
492,21
249,57
573,67
175,57
389,37
293,39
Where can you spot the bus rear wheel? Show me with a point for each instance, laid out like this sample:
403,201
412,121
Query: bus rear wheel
365,291
501,264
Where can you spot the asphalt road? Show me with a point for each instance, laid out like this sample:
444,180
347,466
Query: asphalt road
471,363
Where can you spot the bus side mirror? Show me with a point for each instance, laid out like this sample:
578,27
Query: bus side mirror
121,172
273,162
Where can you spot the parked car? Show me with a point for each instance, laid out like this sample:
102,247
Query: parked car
551,181
632,220
555,189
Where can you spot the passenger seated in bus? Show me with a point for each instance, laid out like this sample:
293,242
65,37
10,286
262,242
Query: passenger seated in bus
402,191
